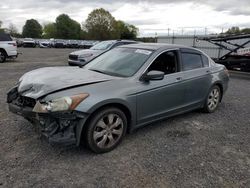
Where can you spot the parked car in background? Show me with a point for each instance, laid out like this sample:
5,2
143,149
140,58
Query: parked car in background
82,57
72,44
45,44
29,43
117,92
86,44
59,43
8,47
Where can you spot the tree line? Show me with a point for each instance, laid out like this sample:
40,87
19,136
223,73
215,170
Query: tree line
236,30
100,25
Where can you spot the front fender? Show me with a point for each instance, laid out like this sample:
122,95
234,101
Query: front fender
130,106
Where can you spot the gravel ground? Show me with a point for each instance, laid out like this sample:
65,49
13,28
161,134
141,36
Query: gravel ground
190,150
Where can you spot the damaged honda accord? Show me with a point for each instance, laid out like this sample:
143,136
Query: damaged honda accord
117,92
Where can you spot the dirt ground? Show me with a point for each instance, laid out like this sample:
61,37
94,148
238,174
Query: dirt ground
190,150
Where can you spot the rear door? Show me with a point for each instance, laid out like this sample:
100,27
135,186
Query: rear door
196,76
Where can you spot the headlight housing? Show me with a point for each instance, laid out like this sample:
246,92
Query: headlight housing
60,104
84,56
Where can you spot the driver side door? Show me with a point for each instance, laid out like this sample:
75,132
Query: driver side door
160,98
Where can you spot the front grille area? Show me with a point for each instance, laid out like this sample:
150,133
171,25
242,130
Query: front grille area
73,57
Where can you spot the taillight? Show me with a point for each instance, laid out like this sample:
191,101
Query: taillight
13,44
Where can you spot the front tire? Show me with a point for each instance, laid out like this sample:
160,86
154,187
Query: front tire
106,130
212,100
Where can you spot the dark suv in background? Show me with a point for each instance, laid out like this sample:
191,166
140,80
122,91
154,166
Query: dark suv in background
82,57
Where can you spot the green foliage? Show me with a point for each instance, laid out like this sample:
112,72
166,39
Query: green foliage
147,39
237,30
32,29
245,31
125,31
100,25
49,30
66,28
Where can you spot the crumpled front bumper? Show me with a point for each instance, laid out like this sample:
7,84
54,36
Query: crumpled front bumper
62,128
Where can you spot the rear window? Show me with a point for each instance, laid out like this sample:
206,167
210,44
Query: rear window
191,61
5,37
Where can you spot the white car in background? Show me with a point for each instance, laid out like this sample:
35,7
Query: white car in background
8,47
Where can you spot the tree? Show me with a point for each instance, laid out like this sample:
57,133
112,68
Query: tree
12,30
32,29
66,28
49,30
245,31
126,31
1,29
233,30
100,25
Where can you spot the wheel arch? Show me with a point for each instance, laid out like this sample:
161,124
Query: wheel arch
3,50
220,85
121,106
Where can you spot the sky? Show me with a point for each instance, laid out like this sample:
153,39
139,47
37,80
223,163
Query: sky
158,17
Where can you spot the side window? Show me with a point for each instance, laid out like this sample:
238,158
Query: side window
166,62
191,61
205,61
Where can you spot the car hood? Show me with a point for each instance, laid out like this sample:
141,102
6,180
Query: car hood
88,51
40,82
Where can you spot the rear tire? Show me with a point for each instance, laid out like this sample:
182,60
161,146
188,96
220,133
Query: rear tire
105,130
3,56
212,100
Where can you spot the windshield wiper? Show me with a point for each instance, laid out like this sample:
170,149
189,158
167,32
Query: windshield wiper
108,73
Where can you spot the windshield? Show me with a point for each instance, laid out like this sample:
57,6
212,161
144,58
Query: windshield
123,62
102,45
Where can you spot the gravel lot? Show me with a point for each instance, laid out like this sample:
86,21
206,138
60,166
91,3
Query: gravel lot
190,150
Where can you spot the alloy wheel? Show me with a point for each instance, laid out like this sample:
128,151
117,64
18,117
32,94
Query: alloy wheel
108,131
213,99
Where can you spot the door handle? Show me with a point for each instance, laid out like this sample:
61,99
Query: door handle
208,71
178,78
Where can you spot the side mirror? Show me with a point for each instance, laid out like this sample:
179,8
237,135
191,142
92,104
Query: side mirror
153,75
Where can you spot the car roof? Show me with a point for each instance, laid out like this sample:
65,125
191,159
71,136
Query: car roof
119,40
154,46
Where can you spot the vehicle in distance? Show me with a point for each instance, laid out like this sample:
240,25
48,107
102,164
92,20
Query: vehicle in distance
8,47
44,43
118,92
29,43
82,57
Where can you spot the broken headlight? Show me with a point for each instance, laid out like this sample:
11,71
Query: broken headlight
61,104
